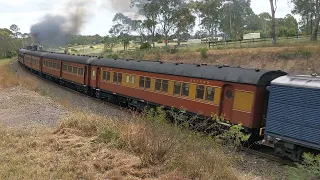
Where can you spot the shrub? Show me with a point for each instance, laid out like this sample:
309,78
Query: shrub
113,55
203,53
309,169
145,46
11,54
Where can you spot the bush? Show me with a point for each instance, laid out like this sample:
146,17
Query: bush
145,46
11,54
113,55
309,169
204,53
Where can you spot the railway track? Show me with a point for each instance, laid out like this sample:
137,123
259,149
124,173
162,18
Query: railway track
268,153
265,152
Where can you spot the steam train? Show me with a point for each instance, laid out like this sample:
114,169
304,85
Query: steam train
277,109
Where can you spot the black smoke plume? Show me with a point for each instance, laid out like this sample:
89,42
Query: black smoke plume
57,30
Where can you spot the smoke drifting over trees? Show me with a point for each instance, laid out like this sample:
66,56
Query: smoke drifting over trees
57,29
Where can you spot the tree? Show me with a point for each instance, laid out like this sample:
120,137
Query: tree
310,12
15,29
150,11
185,23
232,15
209,14
167,15
273,5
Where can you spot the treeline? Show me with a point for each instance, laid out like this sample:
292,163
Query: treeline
230,19
11,39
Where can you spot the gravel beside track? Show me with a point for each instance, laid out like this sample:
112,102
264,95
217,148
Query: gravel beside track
20,106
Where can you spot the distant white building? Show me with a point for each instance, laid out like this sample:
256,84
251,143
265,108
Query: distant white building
251,36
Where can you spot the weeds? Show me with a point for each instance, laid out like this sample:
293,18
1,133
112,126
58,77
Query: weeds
310,169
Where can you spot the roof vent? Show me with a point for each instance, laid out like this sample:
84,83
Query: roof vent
161,62
181,62
115,59
314,75
127,59
219,66
257,70
238,66
176,63
204,64
98,57
198,65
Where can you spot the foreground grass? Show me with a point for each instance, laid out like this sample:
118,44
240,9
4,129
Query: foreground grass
87,146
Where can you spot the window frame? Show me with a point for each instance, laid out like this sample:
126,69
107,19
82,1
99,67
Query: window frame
183,87
156,82
147,79
174,88
142,82
115,77
203,91
167,86
206,93
119,79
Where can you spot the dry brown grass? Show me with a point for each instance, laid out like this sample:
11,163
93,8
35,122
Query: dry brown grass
297,59
9,78
87,146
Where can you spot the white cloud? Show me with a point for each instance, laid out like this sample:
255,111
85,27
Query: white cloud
25,13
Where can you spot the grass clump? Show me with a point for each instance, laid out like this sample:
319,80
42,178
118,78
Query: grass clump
309,169
156,143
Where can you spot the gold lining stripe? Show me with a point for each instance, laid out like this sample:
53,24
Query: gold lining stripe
241,111
244,91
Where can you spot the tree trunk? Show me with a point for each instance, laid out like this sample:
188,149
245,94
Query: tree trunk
273,27
314,35
166,39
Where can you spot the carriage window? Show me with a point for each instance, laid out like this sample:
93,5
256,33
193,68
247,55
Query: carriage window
185,89
132,79
229,94
200,92
80,71
210,93
141,82
50,64
164,85
127,79
75,69
54,65
93,73
120,78
177,88
158,84
65,67
108,76
69,69
115,77
148,83
104,75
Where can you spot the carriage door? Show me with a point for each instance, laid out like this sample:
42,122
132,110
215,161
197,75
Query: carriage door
98,78
227,101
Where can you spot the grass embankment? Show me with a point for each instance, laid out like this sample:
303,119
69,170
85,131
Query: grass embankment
87,146
297,60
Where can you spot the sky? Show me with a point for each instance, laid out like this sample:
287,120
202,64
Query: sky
25,13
